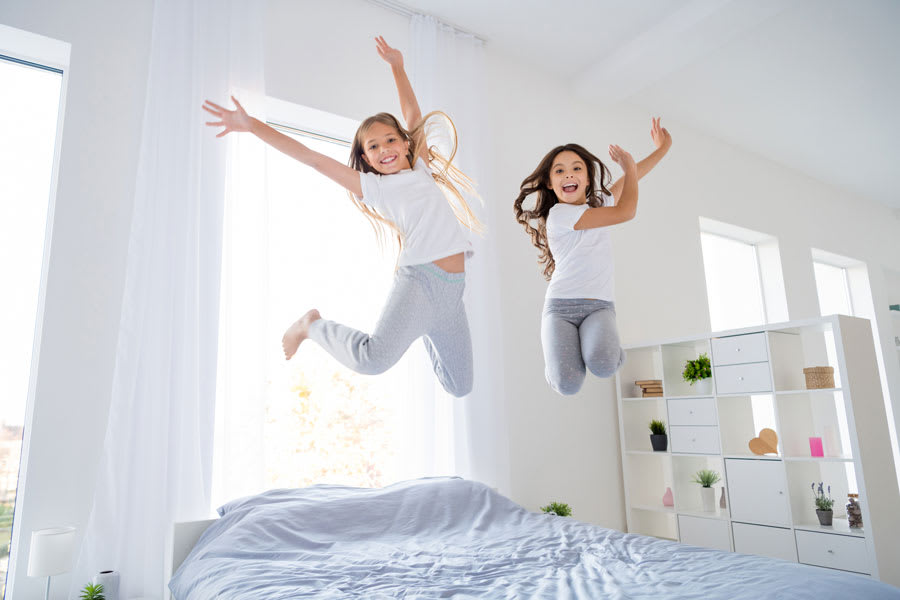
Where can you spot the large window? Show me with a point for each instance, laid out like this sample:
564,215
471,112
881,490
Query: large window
325,423
30,104
732,282
319,421
744,284
833,288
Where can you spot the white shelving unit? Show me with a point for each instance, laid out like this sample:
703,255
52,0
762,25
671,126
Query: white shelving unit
758,382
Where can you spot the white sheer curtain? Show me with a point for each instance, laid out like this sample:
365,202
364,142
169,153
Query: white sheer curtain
156,466
239,467
446,69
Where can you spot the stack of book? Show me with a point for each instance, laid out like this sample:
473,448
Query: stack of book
650,388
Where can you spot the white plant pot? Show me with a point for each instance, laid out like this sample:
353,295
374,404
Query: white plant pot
702,387
708,498
110,581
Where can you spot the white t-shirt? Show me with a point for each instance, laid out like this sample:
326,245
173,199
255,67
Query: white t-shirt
584,262
418,207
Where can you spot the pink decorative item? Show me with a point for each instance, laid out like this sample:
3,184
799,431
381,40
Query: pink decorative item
815,447
667,498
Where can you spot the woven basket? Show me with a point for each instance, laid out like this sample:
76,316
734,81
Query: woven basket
819,377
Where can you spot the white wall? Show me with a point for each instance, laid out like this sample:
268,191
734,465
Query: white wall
321,54
567,448
107,79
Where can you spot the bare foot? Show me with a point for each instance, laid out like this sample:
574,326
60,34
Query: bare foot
298,332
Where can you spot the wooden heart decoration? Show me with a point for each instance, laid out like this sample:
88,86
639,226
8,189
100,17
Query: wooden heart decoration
766,443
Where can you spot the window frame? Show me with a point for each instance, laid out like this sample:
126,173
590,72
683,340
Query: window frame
46,53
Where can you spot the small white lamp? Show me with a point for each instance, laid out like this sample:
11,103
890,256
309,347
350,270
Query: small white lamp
51,553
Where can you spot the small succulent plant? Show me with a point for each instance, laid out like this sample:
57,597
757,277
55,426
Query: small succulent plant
706,477
823,502
92,591
657,427
560,509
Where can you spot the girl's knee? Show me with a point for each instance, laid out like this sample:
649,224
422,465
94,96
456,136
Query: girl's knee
565,384
606,364
567,387
374,359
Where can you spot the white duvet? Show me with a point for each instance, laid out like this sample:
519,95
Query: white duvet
453,538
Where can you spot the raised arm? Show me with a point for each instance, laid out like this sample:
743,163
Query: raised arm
408,103
238,120
626,203
663,141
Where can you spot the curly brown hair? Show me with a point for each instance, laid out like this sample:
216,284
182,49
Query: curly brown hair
535,220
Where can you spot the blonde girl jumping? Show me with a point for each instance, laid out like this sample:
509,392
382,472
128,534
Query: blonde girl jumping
569,225
408,189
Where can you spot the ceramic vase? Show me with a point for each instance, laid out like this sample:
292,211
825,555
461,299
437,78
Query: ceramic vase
668,499
110,582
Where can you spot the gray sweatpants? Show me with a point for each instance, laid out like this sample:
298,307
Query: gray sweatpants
425,301
578,333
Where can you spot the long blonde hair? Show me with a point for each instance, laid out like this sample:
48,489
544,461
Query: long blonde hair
449,178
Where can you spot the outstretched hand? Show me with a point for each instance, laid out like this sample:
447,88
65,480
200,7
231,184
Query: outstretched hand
231,120
622,158
391,55
660,135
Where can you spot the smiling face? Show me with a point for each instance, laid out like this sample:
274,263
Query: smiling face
569,178
384,149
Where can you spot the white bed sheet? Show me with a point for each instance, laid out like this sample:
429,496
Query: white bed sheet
453,538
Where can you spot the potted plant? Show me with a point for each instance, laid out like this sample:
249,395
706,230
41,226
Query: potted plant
823,504
696,370
706,478
92,592
658,438
560,509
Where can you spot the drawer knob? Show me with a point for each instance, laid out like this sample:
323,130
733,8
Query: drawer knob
737,349
830,551
741,378
690,412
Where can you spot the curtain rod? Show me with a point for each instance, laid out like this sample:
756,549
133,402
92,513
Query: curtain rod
402,9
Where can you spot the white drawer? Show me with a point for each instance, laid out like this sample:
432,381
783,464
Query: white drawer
695,440
773,542
692,411
740,379
833,551
708,533
736,349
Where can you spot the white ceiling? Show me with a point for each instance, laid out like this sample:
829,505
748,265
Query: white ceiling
811,84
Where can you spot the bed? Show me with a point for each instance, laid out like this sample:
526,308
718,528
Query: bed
454,538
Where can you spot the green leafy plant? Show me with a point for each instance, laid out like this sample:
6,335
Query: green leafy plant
706,477
823,502
560,509
695,370
657,427
92,592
